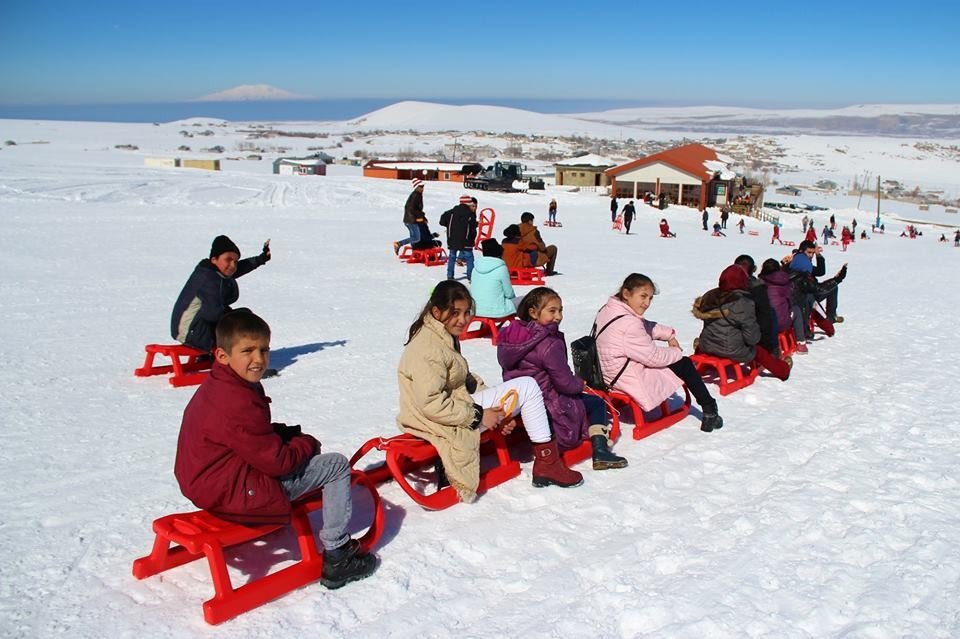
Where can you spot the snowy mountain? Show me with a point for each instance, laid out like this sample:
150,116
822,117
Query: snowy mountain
251,92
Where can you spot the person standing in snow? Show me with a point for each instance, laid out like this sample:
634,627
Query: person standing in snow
724,216
705,217
209,292
613,208
461,224
628,212
552,211
413,215
740,225
776,234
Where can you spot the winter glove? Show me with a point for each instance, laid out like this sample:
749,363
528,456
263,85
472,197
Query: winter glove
841,274
264,256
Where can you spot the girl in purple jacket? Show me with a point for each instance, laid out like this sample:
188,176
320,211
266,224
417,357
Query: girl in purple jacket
533,345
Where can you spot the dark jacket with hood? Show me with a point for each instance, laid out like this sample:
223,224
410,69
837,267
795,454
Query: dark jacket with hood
205,298
526,348
230,457
730,327
804,283
413,209
461,225
766,317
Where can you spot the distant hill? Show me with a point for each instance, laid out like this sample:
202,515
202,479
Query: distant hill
251,92
886,120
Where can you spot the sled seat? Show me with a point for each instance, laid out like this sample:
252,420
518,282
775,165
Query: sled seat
406,453
753,233
730,375
436,256
531,276
643,424
489,327
200,533
618,223
188,372
788,243
553,224
668,235
787,342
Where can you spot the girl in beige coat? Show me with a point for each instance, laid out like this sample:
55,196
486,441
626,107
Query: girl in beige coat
444,403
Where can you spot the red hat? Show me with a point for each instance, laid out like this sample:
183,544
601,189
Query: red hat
466,199
733,278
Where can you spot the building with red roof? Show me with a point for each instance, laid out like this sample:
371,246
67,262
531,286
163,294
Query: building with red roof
690,175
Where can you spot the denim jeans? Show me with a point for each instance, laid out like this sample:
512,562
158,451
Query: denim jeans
331,471
596,409
466,255
414,230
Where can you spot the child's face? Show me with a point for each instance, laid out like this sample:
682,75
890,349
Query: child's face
550,313
455,319
639,299
226,263
249,357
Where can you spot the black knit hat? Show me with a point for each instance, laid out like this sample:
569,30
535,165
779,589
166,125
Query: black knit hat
223,244
491,248
511,231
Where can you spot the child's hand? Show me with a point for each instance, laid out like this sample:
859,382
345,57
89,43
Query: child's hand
491,417
507,427
673,342
265,253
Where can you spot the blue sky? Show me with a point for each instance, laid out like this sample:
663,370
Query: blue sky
800,53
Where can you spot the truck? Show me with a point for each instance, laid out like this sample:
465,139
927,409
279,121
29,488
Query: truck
499,177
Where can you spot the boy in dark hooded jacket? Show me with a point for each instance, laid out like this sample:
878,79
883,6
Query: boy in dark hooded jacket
209,292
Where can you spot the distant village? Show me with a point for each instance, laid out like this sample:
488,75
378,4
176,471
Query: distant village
577,161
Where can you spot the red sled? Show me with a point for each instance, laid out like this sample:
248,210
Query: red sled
189,372
489,327
731,375
197,534
532,276
406,453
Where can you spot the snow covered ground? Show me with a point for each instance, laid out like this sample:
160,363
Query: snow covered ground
825,508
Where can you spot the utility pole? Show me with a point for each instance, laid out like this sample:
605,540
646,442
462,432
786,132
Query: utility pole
878,200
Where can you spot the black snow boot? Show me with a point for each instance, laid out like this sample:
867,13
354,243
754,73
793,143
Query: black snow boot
603,459
345,564
711,418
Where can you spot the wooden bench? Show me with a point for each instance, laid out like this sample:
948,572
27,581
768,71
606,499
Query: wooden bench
730,375
488,327
199,533
406,453
190,372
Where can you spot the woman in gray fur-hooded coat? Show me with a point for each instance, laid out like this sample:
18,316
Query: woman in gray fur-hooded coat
729,316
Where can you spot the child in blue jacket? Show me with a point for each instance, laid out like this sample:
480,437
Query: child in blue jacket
491,289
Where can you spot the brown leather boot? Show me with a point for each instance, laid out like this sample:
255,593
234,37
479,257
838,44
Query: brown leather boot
549,469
